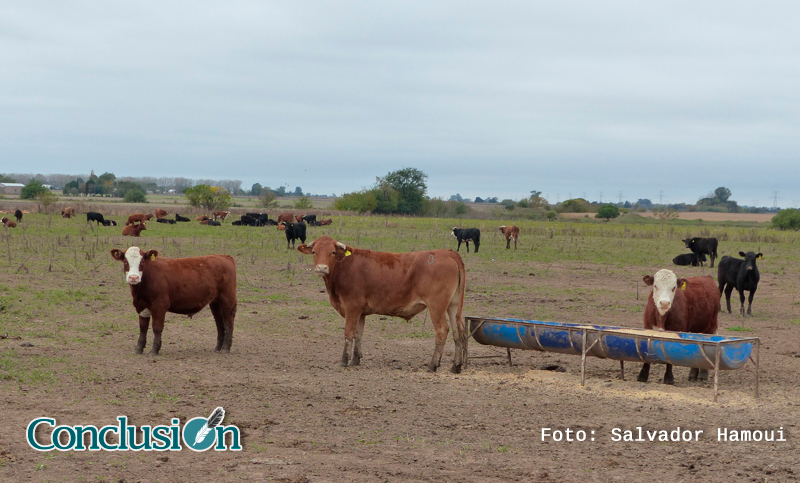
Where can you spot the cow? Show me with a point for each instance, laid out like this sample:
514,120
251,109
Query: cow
362,282
212,223
202,218
8,223
109,223
681,305
702,246
509,232
18,215
165,220
467,234
134,230
294,231
180,286
94,216
161,213
298,218
247,220
181,218
287,217
138,217
310,219
324,222
692,259
741,274
220,214
68,212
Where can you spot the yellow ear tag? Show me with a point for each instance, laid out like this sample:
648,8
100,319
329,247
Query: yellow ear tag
347,253
152,257
683,287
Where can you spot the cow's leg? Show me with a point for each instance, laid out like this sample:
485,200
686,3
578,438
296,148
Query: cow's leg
467,243
460,334
223,316
750,302
668,377
741,299
702,375
693,373
439,320
350,327
356,360
515,243
508,243
728,292
144,325
644,374
158,327
477,245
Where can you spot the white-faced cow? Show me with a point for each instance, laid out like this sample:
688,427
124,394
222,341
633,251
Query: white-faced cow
509,232
680,305
180,286
8,223
741,274
466,235
362,282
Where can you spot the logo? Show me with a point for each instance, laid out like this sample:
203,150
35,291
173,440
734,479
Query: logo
199,434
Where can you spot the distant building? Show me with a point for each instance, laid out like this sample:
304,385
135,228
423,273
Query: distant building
11,188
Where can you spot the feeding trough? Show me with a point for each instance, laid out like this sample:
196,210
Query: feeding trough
703,351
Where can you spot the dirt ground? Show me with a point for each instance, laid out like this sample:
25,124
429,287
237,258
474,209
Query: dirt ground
304,419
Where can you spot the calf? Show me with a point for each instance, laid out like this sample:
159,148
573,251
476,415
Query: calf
138,217
467,234
325,222
680,305
109,223
310,219
8,223
161,213
362,282
181,218
509,232
221,214
692,259
133,230
165,220
18,215
68,212
702,246
295,231
97,217
180,286
742,274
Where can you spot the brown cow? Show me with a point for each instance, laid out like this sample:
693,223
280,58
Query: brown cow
287,217
161,213
134,230
510,232
680,305
181,286
8,223
68,212
221,214
362,282
138,217
325,222
201,218
299,218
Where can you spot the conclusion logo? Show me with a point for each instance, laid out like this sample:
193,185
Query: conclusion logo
199,434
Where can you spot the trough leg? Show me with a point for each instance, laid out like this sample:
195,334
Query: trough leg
144,326
622,370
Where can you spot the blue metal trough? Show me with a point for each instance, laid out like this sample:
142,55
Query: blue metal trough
703,351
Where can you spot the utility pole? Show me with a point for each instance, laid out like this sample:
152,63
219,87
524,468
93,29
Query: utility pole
661,197
620,197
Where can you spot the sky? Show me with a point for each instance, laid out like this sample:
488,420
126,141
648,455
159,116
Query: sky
603,100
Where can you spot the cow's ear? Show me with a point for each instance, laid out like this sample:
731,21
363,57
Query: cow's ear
117,255
648,280
682,283
304,249
151,254
741,254
759,256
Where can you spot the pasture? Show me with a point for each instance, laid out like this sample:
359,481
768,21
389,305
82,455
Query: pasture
68,332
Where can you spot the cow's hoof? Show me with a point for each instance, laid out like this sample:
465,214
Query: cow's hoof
455,369
138,351
703,376
354,363
152,354
431,368
670,382
642,378
342,364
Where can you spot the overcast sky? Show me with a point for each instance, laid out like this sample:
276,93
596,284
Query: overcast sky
658,100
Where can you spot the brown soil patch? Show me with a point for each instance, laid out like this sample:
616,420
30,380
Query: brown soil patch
698,215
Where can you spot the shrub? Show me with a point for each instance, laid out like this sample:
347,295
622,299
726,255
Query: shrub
135,195
788,219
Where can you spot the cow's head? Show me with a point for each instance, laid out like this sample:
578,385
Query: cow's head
664,284
326,252
134,260
750,259
455,230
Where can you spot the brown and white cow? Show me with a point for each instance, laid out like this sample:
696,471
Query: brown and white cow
680,305
362,282
138,217
134,230
161,213
8,223
68,212
509,232
180,286
287,217
220,214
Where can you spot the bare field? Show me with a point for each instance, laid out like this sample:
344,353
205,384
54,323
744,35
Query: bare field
697,215
68,331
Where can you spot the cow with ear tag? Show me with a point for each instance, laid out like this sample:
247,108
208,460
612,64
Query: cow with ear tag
180,286
681,305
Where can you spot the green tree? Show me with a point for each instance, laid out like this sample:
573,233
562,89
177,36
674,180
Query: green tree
6,179
551,215
410,186
31,190
303,203
135,195
267,198
298,191
575,205
536,200
361,201
607,211
722,193
788,219
256,189
212,198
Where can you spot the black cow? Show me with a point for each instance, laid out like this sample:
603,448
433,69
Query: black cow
702,246
213,223
94,216
18,215
294,230
310,219
741,274
467,234
165,220
109,223
692,259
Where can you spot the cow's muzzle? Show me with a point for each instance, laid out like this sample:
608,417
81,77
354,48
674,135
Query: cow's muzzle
663,307
133,279
321,270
